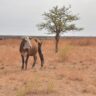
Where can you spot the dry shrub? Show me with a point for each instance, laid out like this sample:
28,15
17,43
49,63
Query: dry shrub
65,52
36,88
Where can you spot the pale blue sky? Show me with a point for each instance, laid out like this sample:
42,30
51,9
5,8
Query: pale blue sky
22,16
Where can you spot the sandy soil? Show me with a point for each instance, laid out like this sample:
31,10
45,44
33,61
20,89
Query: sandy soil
70,74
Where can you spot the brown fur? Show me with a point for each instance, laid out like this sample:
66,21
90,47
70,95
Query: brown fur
26,50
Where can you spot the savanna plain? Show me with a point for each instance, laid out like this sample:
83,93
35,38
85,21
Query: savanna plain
70,72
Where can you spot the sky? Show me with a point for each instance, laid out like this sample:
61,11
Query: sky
20,17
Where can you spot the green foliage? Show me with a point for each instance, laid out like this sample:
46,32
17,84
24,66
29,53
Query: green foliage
59,20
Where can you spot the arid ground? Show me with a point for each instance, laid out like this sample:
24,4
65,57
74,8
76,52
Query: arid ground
70,72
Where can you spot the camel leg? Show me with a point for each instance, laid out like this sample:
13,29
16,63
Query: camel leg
35,59
22,62
26,61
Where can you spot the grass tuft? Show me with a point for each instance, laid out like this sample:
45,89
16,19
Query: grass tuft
36,88
64,53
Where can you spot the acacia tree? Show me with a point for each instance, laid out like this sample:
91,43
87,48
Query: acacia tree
59,20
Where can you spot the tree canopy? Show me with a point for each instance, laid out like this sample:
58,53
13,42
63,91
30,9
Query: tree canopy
59,20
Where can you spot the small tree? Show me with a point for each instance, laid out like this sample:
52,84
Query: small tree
59,20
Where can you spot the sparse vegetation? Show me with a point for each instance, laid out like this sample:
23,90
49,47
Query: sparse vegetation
50,87
74,75
65,53
35,87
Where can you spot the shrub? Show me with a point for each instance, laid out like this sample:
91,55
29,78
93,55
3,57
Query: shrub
65,52
36,88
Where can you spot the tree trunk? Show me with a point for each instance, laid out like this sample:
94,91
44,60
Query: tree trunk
57,37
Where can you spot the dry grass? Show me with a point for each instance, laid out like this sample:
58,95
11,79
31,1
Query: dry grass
75,77
35,87
65,52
